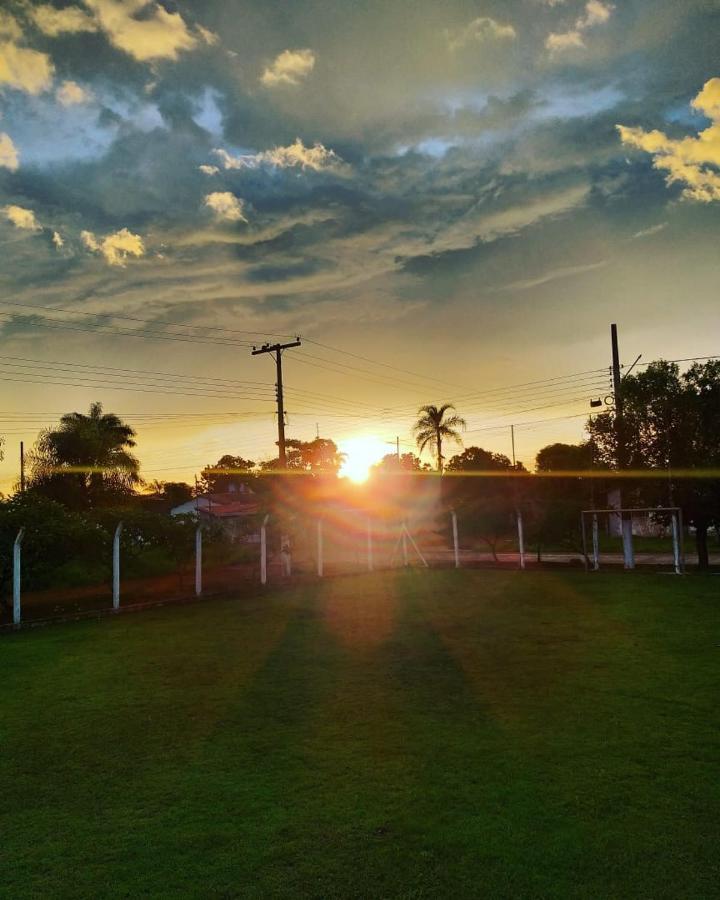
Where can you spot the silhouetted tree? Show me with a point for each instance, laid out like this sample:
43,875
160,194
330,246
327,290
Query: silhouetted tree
391,465
672,425
565,457
433,427
227,473
318,457
86,461
556,499
173,492
482,489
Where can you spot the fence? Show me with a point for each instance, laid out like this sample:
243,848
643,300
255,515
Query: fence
336,541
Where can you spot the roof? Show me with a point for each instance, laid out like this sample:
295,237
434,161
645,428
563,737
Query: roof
232,504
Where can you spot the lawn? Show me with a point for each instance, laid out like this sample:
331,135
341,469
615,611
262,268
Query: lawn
407,734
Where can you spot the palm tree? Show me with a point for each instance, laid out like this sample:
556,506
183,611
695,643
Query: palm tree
93,449
432,428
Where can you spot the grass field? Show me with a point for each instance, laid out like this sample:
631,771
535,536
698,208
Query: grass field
437,734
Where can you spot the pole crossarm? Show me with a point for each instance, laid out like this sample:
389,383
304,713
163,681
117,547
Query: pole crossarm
276,350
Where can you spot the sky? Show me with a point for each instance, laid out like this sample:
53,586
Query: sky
448,202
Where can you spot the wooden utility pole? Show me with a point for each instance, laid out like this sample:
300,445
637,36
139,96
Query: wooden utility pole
621,458
277,350
22,467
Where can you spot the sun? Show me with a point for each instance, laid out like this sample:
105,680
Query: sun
361,453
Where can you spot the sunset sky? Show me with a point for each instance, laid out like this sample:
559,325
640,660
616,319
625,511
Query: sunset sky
448,201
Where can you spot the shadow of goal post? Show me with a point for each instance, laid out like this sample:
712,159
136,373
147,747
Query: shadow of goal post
592,562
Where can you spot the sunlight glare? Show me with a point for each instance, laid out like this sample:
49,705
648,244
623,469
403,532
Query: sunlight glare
361,453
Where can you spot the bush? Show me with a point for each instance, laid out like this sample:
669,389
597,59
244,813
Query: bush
55,541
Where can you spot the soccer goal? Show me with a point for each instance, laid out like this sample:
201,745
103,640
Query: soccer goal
655,523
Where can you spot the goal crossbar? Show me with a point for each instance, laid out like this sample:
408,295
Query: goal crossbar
676,518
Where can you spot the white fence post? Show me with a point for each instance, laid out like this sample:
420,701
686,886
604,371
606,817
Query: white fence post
198,561
17,563
320,548
455,538
676,544
369,546
263,551
521,539
596,543
627,540
116,566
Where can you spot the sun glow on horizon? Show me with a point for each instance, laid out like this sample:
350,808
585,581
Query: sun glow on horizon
361,453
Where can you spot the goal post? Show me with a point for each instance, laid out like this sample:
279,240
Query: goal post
624,517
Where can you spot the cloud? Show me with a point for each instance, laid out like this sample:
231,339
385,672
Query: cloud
596,12
209,170
20,67
115,248
225,206
289,68
8,153
526,284
208,36
648,232
146,31
565,40
318,158
9,27
58,240
21,218
53,22
70,93
691,161
479,31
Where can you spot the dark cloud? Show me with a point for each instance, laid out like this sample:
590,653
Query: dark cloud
485,160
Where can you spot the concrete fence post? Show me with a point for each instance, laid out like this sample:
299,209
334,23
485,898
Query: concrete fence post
627,540
521,540
116,566
676,544
320,548
198,561
263,550
17,572
369,546
595,543
455,538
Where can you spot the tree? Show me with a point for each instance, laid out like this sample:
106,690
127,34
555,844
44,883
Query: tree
228,472
432,427
318,457
475,459
391,465
565,457
559,498
485,503
672,426
172,492
86,461
61,547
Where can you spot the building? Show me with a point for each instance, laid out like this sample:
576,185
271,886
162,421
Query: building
235,511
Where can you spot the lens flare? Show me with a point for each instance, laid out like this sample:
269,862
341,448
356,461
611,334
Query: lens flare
361,453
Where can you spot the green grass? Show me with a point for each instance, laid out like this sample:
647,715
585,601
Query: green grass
401,735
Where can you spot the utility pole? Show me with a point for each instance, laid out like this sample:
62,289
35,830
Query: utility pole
397,446
277,350
22,467
625,520
512,438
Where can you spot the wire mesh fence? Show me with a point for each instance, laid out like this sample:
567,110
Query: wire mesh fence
60,569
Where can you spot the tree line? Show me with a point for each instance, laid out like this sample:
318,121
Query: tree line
671,432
